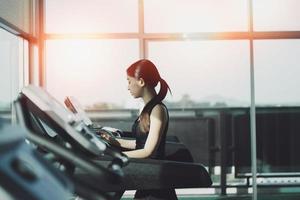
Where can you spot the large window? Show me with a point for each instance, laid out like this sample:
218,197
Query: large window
67,58
14,67
17,36
203,49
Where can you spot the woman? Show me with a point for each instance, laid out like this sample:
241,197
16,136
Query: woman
150,128
142,78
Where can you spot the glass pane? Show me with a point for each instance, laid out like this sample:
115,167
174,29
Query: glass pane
220,76
68,16
195,15
93,71
276,15
17,13
277,72
11,62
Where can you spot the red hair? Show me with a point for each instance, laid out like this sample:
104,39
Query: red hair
147,70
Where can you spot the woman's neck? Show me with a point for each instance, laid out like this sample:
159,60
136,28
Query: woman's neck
148,95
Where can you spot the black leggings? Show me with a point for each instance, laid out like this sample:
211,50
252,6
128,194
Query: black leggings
159,194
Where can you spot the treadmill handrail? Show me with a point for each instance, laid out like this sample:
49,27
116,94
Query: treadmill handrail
78,161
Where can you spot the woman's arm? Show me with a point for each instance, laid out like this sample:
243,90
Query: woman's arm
158,119
128,144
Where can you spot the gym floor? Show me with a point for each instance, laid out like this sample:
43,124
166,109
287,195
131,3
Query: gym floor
285,196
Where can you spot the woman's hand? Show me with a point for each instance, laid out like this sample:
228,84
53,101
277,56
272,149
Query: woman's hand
104,135
108,138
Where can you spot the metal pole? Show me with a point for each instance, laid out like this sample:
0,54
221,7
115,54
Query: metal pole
141,29
252,108
41,43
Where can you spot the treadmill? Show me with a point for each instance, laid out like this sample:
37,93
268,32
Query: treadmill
54,130
39,108
25,173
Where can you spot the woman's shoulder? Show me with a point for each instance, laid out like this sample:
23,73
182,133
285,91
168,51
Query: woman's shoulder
159,110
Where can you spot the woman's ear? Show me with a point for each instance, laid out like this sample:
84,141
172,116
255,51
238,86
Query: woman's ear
141,82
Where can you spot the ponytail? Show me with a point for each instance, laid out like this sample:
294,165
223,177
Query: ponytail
144,116
164,87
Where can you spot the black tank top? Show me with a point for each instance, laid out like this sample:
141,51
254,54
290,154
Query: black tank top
141,137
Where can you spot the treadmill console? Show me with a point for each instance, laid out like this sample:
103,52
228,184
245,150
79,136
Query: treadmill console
40,106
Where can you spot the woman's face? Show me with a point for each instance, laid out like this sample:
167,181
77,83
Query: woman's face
134,87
